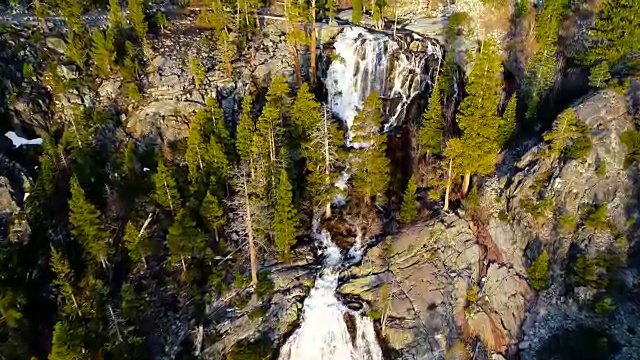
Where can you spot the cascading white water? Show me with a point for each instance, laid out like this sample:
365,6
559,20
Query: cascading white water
323,333
371,62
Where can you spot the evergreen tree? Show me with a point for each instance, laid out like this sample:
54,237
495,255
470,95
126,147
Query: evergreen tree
541,68
432,129
409,209
212,213
102,53
322,154
116,20
185,240
196,151
218,127
72,13
137,244
197,70
331,9
296,36
245,131
227,52
378,13
356,14
87,227
566,129
217,162
76,50
507,123
285,218
614,36
247,15
269,125
215,16
371,176
138,21
600,74
476,150
539,272
305,113
66,343
64,277
166,193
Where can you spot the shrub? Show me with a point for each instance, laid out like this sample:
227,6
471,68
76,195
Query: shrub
631,139
472,294
458,351
456,25
27,71
580,148
539,272
596,217
605,306
264,287
254,350
540,209
567,223
601,169
586,273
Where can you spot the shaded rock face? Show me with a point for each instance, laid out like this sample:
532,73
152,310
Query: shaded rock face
572,184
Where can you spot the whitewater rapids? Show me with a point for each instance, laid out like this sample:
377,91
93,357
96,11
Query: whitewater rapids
323,333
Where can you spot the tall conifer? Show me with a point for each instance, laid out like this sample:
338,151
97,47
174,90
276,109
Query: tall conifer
285,218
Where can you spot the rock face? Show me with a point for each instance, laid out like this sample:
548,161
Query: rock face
429,268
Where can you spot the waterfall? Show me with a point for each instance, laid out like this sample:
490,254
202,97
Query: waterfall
374,61
323,333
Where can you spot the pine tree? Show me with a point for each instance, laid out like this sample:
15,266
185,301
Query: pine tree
217,162
66,343
116,20
269,124
247,11
137,15
378,13
196,151
331,9
137,244
305,114
409,209
476,150
215,16
227,52
614,36
185,240
507,123
248,211
565,130
76,50
166,193
64,277
296,36
245,131
356,15
102,53
600,74
539,272
213,214
285,218
322,154
197,70
218,127
87,227
540,70
371,176
432,129
72,13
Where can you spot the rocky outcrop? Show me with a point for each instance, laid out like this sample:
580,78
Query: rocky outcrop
429,269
